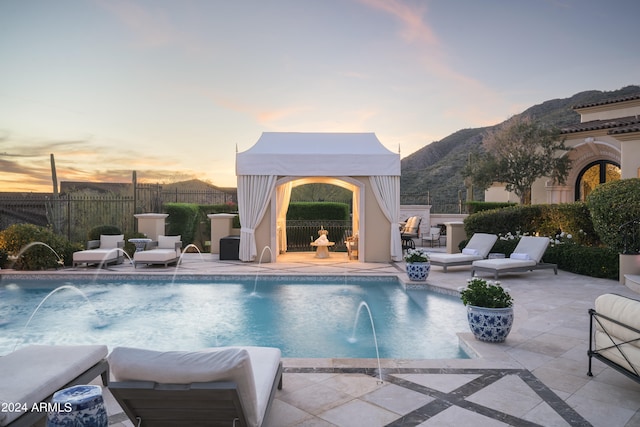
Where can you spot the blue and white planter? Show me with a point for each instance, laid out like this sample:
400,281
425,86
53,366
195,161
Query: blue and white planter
490,324
418,271
78,406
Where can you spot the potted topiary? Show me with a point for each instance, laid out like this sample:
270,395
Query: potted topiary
489,309
418,265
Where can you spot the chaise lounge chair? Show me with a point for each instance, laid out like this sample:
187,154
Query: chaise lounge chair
227,386
476,249
32,374
526,256
105,251
166,250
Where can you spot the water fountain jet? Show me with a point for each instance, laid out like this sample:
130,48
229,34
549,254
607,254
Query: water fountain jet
255,283
100,325
60,261
375,339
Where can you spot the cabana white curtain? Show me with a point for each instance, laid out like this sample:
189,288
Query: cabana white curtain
254,194
283,196
387,192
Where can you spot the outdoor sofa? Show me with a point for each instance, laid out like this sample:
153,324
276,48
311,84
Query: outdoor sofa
476,249
166,250
225,386
31,375
107,250
614,334
527,256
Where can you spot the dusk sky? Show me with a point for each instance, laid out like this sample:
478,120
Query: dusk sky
170,88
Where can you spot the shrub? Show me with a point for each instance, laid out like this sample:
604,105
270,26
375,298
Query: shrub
107,230
590,261
477,206
183,220
613,204
318,210
543,220
15,240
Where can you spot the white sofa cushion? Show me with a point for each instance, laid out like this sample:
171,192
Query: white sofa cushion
623,309
110,241
33,373
253,369
168,242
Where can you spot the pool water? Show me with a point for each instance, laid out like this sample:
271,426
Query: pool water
303,319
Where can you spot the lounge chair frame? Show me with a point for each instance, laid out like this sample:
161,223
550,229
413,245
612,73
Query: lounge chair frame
496,273
152,246
595,317
101,369
217,403
95,244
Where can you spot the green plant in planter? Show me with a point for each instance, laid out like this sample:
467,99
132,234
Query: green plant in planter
416,255
480,293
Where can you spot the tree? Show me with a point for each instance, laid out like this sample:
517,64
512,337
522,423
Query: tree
516,154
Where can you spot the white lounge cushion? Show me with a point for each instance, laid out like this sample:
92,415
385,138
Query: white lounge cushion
532,246
503,263
96,255
31,374
469,251
482,242
168,242
110,241
438,258
253,369
156,255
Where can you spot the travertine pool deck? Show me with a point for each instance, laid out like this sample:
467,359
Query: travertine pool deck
537,377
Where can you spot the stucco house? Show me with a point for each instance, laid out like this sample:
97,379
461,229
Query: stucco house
606,147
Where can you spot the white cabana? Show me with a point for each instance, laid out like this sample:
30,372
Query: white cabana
300,155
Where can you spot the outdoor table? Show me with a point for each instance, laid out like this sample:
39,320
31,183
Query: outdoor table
323,249
80,405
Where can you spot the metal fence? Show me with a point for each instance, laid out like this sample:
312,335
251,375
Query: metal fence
74,215
439,204
300,234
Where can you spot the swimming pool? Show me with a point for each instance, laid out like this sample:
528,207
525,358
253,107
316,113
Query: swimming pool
302,318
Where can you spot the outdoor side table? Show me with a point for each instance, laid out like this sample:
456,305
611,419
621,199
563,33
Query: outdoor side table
140,243
80,405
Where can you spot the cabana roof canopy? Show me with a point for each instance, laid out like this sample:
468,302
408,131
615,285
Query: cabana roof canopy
318,154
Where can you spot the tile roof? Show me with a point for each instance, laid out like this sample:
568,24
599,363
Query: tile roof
608,101
616,126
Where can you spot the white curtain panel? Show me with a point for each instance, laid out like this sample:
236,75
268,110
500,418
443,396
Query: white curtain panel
283,196
254,194
387,191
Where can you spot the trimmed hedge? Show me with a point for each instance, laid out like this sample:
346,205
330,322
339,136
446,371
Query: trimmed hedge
612,205
590,261
318,210
544,220
477,206
183,220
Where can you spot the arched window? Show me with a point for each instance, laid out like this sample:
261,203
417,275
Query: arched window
594,174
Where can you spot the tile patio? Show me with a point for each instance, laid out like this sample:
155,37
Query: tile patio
537,377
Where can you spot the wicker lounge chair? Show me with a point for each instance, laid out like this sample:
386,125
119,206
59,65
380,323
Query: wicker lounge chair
527,256
105,251
229,386
32,374
476,249
166,250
